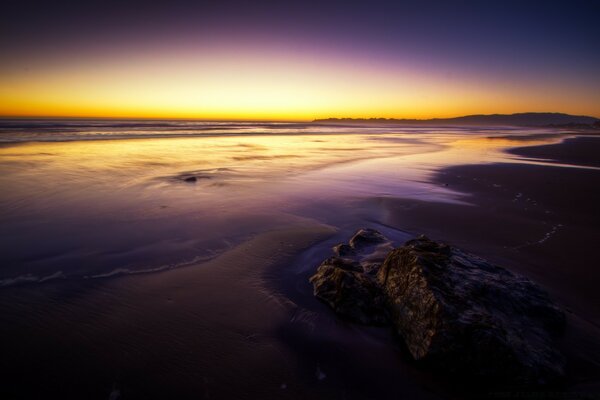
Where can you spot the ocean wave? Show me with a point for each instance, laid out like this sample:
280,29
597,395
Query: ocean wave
50,130
29,278
33,279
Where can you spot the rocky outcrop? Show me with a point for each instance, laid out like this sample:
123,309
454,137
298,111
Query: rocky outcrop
347,281
359,243
454,311
342,284
366,237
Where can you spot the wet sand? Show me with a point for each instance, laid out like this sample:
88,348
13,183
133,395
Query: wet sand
541,221
245,324
166,335
219,330
580,151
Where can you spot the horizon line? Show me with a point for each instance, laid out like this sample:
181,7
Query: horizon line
163,118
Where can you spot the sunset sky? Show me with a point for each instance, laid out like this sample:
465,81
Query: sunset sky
298,61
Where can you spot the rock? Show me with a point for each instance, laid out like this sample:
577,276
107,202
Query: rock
342,250
190,179
370,268
455,312
351,293
347,282
366,237
461,313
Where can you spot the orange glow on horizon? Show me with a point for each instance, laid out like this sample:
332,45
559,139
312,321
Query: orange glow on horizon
246,86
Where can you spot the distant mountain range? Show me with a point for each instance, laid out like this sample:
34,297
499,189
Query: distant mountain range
520,119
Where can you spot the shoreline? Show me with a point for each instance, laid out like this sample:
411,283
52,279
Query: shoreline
245,323
171,326
581,150
540,221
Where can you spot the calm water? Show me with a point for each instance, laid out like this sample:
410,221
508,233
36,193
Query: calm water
85,199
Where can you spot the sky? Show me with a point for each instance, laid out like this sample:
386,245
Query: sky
298,60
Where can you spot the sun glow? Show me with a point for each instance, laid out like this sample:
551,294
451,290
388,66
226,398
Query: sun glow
249,85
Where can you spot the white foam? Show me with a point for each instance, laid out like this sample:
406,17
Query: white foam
29,278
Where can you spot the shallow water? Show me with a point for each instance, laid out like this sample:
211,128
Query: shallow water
92,199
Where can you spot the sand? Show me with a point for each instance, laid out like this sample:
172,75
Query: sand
245,324
541,221
580,151
217,330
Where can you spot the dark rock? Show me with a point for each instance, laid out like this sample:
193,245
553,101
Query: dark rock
366,237
352,294
370,268
455,311
343,263
190,179
460,313
343,250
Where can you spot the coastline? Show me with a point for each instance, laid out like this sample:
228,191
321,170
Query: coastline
582,150
245,323
540,221
202,329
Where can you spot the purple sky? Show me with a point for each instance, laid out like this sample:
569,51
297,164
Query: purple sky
547,52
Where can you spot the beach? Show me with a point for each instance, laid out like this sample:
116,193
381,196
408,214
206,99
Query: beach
538,220
198,288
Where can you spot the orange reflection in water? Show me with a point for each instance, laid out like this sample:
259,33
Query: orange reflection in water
232,170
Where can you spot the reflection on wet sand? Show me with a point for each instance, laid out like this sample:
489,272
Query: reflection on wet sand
143,195
179,267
